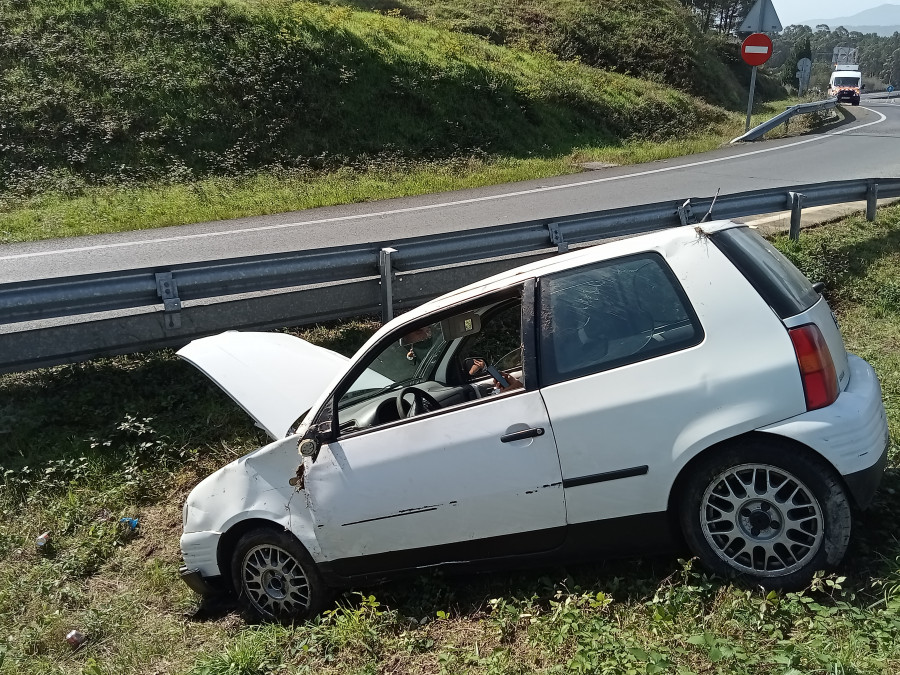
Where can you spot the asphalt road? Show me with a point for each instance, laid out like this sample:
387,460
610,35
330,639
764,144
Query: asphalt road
867,146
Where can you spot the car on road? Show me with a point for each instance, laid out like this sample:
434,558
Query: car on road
684,386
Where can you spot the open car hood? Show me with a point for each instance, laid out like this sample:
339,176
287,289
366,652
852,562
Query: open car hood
273,376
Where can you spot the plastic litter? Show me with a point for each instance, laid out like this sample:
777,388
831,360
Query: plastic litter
131,523
75,638
42,540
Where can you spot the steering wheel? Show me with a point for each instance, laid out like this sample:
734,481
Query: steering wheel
421,399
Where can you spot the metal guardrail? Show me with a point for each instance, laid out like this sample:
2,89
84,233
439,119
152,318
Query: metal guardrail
70,319
799,109
876,97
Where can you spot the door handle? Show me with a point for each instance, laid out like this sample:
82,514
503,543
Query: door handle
521,435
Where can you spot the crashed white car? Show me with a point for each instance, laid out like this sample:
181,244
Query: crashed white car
686,385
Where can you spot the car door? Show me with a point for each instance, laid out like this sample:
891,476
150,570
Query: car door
469,481
622,380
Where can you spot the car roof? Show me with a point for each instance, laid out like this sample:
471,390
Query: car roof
661,241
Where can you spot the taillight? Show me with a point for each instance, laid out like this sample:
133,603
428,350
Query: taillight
820,385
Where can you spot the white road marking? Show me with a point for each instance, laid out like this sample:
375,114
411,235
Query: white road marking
460,202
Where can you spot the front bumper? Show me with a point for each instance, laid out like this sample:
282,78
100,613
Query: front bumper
198,583
201,568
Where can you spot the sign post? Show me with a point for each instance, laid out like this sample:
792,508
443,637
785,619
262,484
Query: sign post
761,19
804,68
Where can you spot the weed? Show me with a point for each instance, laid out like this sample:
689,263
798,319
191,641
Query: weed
251,653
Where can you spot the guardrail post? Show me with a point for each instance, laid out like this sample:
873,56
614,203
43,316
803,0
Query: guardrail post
387,278
796,201
686,213
872,202
167,289
557,238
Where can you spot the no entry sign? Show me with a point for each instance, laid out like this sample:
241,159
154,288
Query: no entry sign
756,49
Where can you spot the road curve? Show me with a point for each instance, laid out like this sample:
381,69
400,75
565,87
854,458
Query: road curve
868,146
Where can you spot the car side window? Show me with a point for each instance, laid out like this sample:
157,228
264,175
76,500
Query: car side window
442,361
499,342
609,314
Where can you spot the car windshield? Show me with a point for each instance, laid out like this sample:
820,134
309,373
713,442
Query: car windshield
405,361
846,82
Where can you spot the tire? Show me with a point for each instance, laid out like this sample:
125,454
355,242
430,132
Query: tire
766,512
274,577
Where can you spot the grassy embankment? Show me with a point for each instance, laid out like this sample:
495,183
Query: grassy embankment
656,40
127,114
84,445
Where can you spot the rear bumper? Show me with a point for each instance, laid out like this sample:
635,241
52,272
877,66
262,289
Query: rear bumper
863,484
851,433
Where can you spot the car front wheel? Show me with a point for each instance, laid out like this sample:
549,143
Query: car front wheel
275,578
770,514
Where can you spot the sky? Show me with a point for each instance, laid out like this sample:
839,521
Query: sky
795,11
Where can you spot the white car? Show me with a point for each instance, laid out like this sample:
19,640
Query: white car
685,385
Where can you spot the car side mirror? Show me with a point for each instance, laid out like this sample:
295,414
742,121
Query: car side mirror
311,442
309,447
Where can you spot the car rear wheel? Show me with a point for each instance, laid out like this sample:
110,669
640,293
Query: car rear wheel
275,578
771,514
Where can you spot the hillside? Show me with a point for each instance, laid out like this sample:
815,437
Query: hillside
118,92
656,40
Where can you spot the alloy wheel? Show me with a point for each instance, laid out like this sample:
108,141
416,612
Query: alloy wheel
762,520
275,582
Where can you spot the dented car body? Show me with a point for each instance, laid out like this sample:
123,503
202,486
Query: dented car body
679,385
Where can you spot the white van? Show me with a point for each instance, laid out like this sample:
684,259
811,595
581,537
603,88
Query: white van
846,84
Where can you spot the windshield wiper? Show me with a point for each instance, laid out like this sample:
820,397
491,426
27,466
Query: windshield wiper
372,393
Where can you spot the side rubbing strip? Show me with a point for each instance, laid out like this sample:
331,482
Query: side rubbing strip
602,477
410,512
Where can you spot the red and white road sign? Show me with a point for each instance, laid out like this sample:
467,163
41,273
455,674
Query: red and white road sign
756,49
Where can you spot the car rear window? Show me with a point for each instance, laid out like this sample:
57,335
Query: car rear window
774,277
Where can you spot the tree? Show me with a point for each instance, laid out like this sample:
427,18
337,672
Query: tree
806,52
722,16
891,71
802,49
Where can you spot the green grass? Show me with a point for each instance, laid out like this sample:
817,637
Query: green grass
83,445
656,40
114,209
